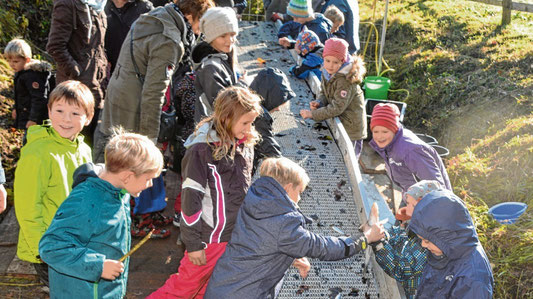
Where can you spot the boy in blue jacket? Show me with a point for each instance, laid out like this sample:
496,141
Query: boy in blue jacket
308,46
91,229
302,12
270,235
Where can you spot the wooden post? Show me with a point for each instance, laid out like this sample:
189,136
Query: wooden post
506,12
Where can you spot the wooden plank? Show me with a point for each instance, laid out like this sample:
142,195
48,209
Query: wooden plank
517,6
506,12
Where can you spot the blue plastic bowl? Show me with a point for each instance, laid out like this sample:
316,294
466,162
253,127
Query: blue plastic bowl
507,212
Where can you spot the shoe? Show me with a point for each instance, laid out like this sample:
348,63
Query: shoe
176,219
159,220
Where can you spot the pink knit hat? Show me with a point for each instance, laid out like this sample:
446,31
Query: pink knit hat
385,115
337,48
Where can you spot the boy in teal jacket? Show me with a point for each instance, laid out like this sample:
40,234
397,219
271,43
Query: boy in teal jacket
44,173
90,232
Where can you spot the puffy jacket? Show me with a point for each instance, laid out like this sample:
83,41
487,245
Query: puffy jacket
43,180
349,31
212,190
159,39
463,271
76,42
32,88
269,234
339,97
312,62
319,25
92,225
409,160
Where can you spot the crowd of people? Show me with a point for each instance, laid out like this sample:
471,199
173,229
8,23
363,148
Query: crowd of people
90,172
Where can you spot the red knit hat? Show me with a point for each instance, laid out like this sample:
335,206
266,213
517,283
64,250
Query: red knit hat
337,48
385,115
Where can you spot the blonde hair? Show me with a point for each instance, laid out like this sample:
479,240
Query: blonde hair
358,71
74,93
284,171
334,14
231,104
18,47
134,152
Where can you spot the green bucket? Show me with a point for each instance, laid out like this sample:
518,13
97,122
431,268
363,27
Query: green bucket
376,87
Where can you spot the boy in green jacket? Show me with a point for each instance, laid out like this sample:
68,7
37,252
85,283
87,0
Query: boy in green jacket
90,232
43,177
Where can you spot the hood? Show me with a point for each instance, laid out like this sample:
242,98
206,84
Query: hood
202,51
36,133
273,86
173,24
442,218
38,66
266,198
204,134
85,171
319,19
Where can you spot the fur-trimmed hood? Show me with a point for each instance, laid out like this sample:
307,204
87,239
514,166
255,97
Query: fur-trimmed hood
38,66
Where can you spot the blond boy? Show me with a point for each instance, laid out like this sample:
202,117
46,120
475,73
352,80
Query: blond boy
43,177
90,232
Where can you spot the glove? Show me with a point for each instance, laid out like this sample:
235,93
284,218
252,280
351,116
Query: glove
353,247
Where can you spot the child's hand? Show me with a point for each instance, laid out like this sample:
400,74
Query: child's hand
3,198
112,269
314,105
376,233
306,113
30,123
284,41
197,257
303,266
14,114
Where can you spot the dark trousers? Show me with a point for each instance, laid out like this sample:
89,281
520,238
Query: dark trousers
42,272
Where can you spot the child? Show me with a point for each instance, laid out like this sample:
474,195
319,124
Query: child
349,30
308,46
336,17
303,15
270,234
3,193
90,231
43,177
407,158
216,174
340,94
457,264
31,82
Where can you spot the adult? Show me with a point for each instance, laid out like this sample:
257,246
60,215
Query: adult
407,158
120,15
349,31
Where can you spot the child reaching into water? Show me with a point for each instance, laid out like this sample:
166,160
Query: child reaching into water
216,172
90,231
340,94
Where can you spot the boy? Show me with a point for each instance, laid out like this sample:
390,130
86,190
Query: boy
31,82
90,231
44,173
303,15
308,46
270,234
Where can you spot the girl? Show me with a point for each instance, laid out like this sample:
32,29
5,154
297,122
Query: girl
407,158
340,94
216,173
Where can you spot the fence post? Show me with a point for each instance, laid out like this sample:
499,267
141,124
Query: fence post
506,12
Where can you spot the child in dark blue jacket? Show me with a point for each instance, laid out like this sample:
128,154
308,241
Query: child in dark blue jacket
270,235
308,46
302,12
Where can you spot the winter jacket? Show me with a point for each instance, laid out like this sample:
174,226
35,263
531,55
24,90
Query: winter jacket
159,40
409,160
463,271
240,5
270,232
339,97
349,31
32,88
43,180
319,25
312,62
76,42
92,225
119,21
212,190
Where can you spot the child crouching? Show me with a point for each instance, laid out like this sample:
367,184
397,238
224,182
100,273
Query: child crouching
270,235
90,231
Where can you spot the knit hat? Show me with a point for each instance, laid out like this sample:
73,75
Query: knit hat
337,48
422,188
217,21
306,42
385,115
300,9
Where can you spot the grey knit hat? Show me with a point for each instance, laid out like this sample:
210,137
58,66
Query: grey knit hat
422,188
217,21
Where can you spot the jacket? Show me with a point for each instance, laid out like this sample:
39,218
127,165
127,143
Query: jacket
212,190
269,234
319,25
76,42
119,21
409,160
159,40
349,31
312,62
339,97
32,88
463,271
92,225
43,180
239,5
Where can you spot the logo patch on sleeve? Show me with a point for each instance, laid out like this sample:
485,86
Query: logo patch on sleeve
344,93
35,85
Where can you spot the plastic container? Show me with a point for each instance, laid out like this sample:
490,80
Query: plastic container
427,139
507,212
441,150
376,87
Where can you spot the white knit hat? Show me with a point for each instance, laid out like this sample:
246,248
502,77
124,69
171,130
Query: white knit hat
217,21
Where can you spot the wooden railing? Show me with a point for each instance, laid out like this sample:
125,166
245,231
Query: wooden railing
508,6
